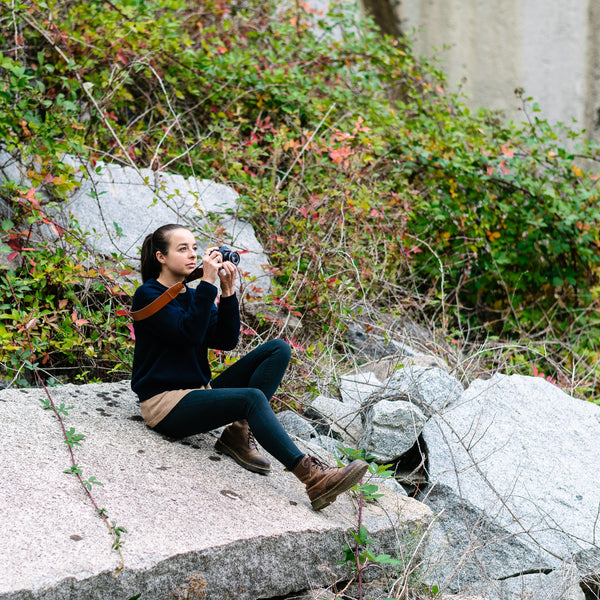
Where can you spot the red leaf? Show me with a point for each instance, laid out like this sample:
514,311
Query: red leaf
295,344
131,331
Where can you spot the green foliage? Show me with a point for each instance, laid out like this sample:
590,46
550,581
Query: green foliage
60,311
360,552
365,179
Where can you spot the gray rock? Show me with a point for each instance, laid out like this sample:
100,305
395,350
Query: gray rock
10,170
391,429
390,483
430,389
330,445
560,584
523,456
368,345
296,425
355,388
384,368
193,518
468,552
342,418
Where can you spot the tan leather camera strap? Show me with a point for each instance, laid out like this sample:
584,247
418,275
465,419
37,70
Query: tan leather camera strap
165,297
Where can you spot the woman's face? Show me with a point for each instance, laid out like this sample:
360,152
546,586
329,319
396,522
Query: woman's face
181,258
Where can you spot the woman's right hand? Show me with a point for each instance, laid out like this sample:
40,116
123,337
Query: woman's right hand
211,263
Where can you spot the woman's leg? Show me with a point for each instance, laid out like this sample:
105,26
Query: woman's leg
203,410
263,369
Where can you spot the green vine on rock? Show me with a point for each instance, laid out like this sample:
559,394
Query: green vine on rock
72,439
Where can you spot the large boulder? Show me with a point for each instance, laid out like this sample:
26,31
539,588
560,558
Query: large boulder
196,523
340,419
343,418
513,470
116,207
391,428
431,389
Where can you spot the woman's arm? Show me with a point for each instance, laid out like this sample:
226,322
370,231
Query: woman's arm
176,322
225,333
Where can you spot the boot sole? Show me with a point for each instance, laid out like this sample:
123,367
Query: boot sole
221,447
352,478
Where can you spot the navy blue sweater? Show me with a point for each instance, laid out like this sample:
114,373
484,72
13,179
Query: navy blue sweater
171,346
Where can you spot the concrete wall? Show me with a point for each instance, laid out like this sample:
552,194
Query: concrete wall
550,48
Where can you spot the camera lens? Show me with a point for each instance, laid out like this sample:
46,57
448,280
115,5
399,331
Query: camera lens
229,255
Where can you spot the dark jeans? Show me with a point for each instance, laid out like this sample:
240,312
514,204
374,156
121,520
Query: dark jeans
242,391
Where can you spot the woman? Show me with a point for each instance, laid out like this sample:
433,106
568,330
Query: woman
172,378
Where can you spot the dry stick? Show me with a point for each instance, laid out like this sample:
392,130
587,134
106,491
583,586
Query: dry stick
100,512
310,139
442,295
175,121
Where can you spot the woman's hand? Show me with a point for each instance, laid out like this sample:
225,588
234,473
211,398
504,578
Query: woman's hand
227,275
212,261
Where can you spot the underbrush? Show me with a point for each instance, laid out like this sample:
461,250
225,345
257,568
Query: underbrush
369,184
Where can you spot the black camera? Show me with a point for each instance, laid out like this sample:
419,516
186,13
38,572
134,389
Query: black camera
229,255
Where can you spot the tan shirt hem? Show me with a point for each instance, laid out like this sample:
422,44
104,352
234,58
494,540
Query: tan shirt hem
156,408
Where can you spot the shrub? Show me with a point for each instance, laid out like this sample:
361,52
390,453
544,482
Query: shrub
366,180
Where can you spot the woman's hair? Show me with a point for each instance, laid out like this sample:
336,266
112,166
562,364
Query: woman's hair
153,243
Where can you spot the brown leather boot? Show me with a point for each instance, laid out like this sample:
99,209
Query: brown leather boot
323,483
238,442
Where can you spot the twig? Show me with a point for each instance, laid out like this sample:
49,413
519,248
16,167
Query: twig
310,139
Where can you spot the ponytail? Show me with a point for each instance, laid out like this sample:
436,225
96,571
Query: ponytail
153,243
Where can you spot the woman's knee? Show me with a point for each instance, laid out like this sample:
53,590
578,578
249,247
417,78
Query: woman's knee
256,399
280,347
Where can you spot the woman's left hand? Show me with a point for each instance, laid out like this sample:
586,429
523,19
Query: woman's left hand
227,275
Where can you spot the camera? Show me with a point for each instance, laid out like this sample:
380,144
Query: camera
229,255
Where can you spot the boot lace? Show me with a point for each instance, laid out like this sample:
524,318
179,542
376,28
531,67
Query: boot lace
252,441
317,463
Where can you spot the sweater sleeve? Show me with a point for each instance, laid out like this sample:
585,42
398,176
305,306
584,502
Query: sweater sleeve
173,322
225,333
